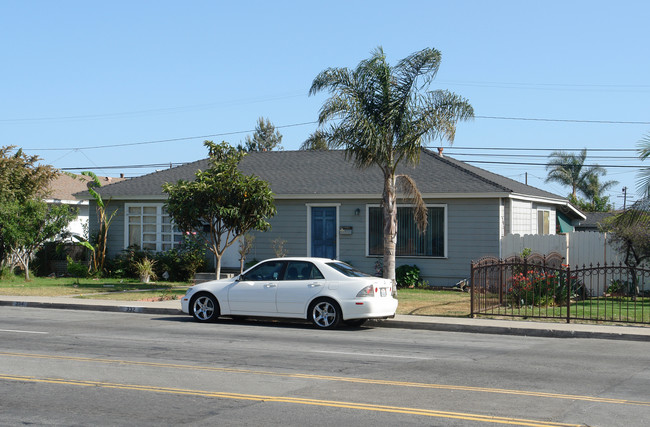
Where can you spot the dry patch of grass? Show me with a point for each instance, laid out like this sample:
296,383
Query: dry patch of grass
423,302
161,295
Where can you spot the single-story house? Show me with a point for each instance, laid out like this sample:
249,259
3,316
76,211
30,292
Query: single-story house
328,207
62,191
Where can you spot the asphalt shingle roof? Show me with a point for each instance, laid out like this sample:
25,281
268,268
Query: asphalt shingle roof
64,187
329,172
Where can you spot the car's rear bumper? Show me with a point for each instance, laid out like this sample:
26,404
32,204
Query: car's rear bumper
369,308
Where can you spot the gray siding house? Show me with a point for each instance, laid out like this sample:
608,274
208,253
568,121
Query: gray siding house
327,207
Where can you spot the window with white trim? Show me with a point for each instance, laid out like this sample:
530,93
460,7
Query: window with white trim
543,221
149,227
410,242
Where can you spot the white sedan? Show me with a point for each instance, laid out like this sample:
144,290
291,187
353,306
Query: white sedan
323,291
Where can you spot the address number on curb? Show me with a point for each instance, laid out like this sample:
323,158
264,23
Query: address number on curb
131,309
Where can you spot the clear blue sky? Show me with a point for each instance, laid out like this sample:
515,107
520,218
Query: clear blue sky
77,75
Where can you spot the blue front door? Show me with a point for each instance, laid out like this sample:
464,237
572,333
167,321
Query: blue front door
323,232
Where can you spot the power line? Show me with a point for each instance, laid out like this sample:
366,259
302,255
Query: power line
544,164
172,164
617,122
534,149
145,166
535,155
159,141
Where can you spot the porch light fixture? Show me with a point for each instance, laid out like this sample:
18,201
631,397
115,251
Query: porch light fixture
357,212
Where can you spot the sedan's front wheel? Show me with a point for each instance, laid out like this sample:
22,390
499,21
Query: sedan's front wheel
205,308
325,313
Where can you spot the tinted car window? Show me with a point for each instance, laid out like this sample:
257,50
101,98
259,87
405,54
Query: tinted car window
272,270
302,270
346,269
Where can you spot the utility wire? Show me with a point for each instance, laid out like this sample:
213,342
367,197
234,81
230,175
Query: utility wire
618,122
532,149
159,141
165,165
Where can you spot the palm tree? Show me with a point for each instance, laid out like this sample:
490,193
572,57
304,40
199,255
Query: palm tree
317,141
643,183
381,115
569,169
594,190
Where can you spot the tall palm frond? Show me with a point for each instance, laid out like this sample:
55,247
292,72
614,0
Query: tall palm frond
643,181
569,169
382,115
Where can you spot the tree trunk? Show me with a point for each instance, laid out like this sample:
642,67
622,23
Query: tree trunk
389,210
217,269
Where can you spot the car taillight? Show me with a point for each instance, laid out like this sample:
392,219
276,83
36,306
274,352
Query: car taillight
368,291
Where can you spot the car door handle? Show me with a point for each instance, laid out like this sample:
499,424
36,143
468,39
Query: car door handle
270,285
314,285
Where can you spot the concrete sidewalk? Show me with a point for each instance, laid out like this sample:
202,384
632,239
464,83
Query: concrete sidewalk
449,324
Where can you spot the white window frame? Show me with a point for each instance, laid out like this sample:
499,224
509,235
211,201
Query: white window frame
541,209
404,205
322,205
159,227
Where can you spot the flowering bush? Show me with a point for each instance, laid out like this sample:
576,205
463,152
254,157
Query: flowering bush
540,288
534,288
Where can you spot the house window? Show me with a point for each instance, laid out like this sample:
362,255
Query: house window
543,222
410,242
150,227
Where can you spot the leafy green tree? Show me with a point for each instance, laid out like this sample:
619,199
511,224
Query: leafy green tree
21,179
27,225
221,204
597,204
265,138
381,115
630,235
569,169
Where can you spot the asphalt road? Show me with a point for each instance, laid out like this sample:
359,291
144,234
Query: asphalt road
68,367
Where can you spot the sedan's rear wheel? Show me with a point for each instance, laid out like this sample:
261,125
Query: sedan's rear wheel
325,313
205,308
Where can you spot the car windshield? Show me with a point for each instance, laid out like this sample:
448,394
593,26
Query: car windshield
346,269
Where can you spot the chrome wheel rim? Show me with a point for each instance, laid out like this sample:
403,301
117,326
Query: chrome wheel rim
203,308
324,314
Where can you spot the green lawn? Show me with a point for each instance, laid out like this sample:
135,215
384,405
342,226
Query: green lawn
610,309
411,301
421,302
111,288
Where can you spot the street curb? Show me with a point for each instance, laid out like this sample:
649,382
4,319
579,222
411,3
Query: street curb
506,330
546,332
111,308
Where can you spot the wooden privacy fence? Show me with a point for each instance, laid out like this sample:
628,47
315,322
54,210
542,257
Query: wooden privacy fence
543,287
577,248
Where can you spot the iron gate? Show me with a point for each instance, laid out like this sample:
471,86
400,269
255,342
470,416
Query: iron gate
542,287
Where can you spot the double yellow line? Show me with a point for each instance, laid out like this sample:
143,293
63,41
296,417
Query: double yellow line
293,400
334,378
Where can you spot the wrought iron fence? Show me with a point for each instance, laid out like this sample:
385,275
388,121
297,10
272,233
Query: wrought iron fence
542,287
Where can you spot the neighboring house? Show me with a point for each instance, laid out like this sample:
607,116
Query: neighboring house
62,190
327,207
593,221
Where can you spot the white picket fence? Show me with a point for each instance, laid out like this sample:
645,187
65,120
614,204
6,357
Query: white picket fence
578,248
